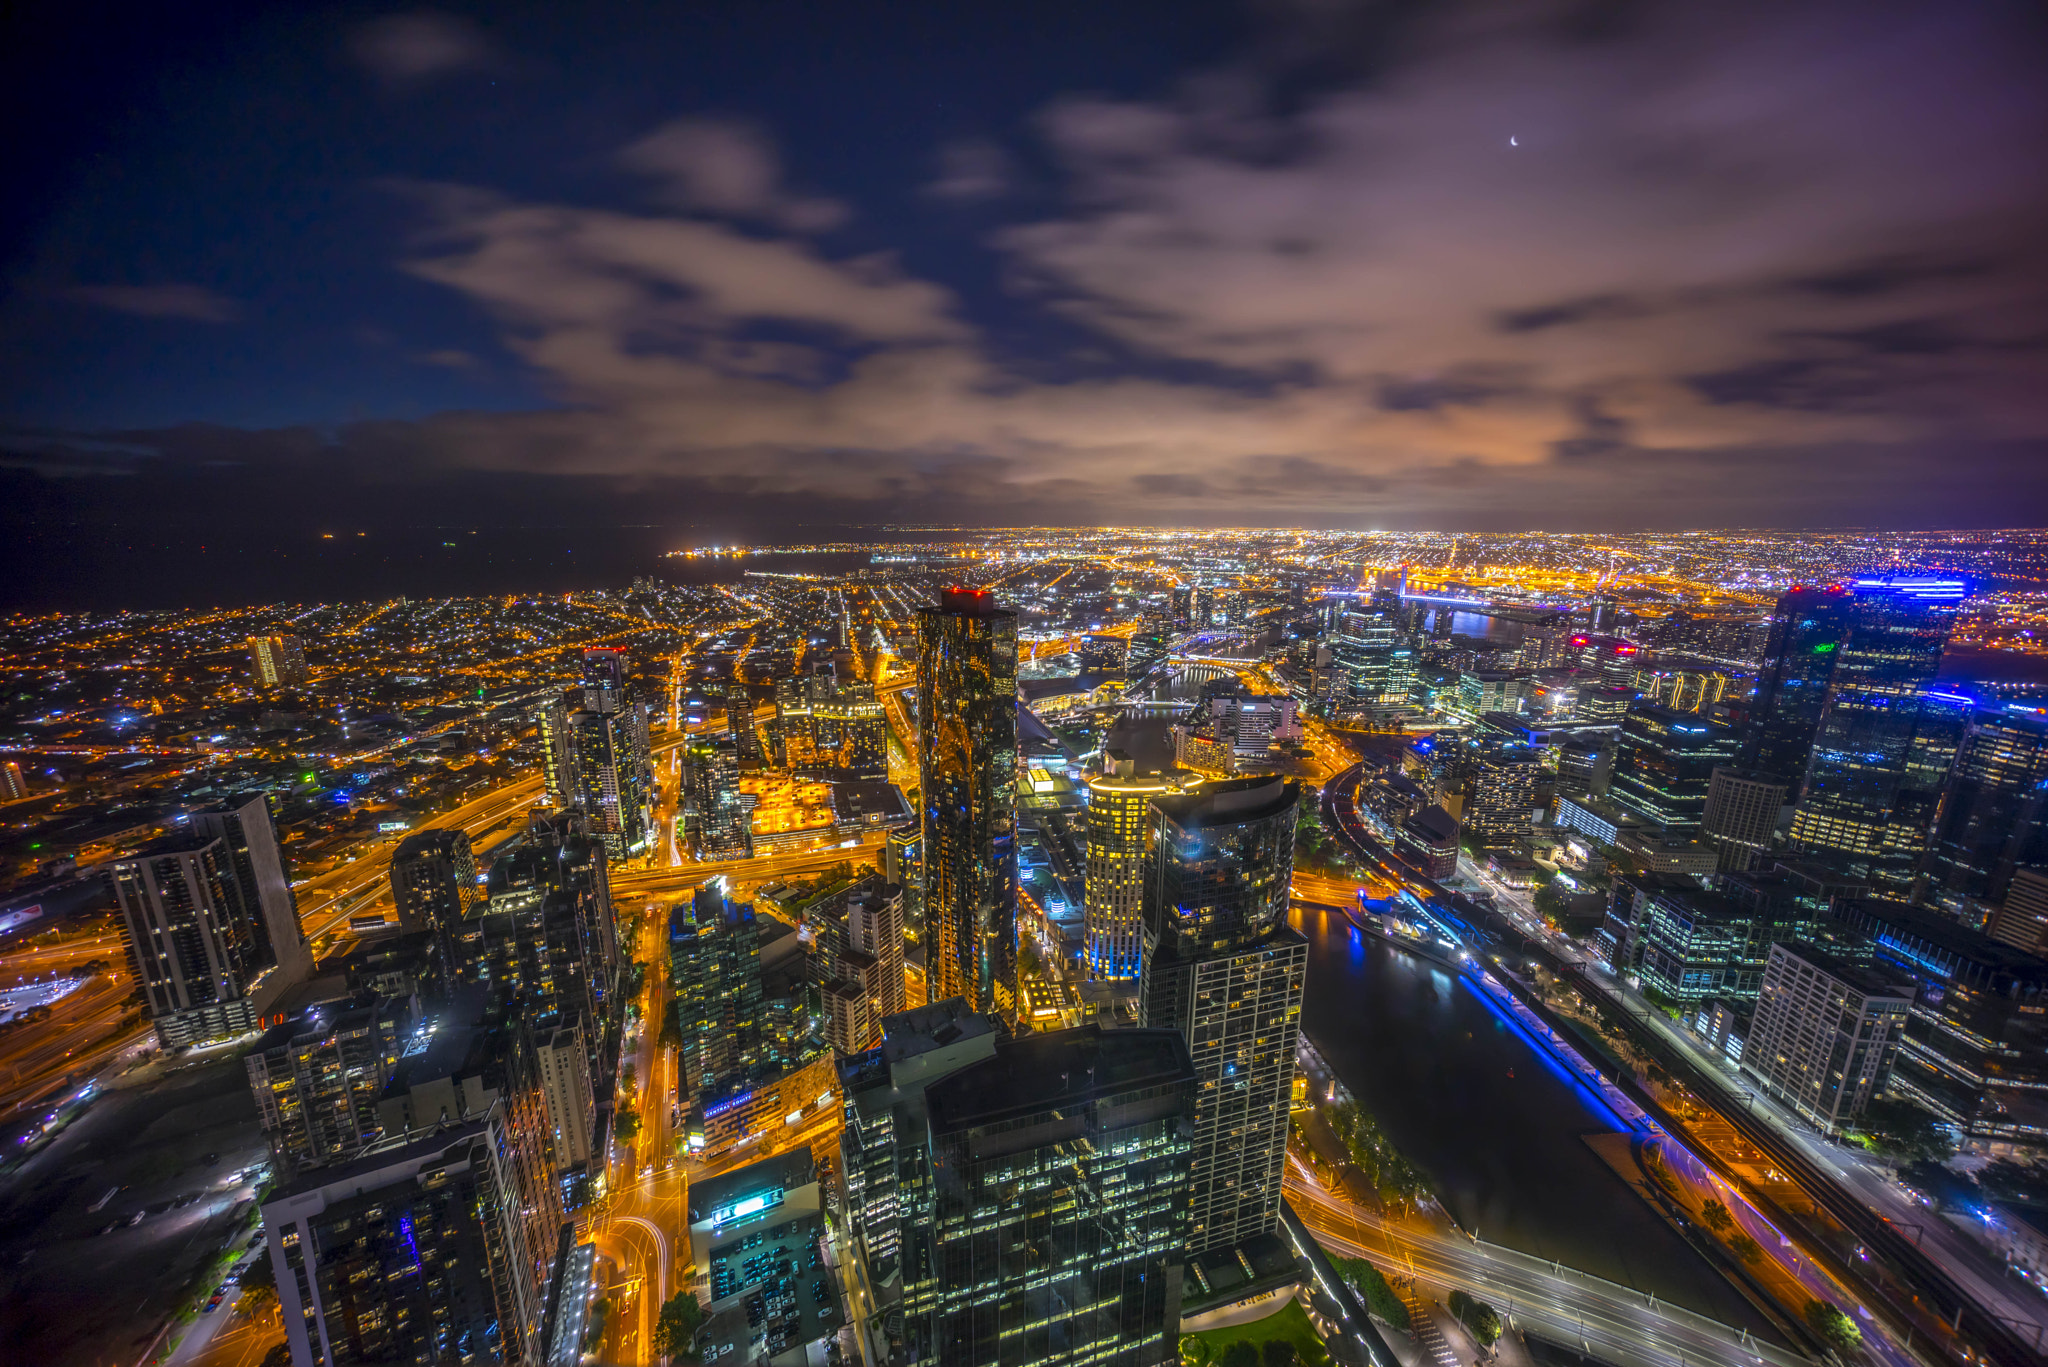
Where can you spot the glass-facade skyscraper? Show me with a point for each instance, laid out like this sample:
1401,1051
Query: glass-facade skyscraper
1054,1223
1807,629
1223,967
1885,743
967,759
1993,818
1664,763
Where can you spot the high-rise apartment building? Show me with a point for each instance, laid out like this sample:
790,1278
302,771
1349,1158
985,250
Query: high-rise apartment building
243,824
739,717
719,814
434,882
415,1250
277,661
318,1077
967,760
598,758
1502,795
1222,967
563,1061
1664,764
856,954
13,787
1119,851
1824,1034
715,972
212,935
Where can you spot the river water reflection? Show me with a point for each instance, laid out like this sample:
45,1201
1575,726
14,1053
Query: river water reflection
1498,1127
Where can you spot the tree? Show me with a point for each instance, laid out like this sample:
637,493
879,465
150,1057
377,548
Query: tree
1484,1324
1715,1216
1278,1353
280,1355
1904,1133
675,1332
1194,1351
1380,1299
1832,1327
1243,1353
627,1124
1746,1248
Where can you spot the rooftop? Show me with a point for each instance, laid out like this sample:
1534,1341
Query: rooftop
1065,1067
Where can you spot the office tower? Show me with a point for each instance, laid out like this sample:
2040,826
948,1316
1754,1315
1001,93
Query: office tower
277,661
242,823
967,760
1740,817
1976,1046
1993,817
1584,767
318,1077
1664,763
1806,630
1899,624
1603,704
1824,1034
739,717
1372,659
1880,761
563,1060
2021,919
1503,792
1010,1266
1611,659
415,1250
434,882
13,786
715,972
1119,848
720,815
1223,968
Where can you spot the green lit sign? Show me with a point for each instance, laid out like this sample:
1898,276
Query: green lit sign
1824,647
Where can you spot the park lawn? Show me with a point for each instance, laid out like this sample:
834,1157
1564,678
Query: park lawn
1290,1323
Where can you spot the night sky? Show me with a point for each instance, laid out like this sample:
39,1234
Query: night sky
744,269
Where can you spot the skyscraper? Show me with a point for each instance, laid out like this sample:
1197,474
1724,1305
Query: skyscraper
1880,761
598,761
1119,848
1824,1034
434,881
1223,968
12,785
318,1077
967,759
1019,1201
1664,764
413,1251
1741,816
1993,818
715,972
277,661
242,823
213,932
720,815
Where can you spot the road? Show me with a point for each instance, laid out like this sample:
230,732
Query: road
1620,1325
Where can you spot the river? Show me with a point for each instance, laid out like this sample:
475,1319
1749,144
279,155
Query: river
1497,1127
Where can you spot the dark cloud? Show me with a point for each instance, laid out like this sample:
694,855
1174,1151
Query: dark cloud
405,49
193,302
